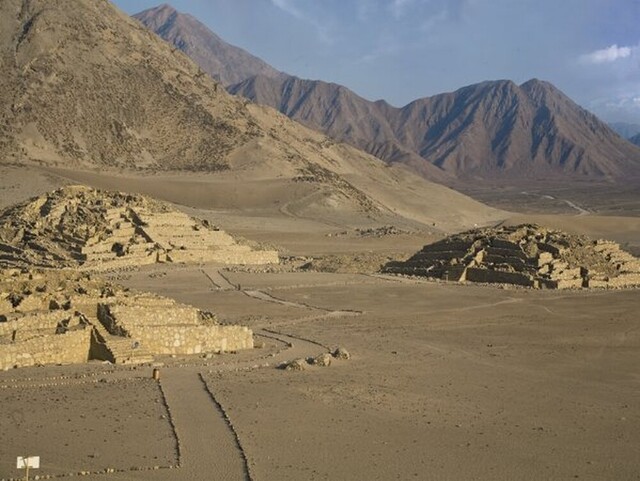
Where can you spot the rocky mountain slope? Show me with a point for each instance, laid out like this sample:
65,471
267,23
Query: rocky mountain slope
224,62
635,139
489,130
85,86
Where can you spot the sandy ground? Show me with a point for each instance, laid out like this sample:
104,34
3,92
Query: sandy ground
446,382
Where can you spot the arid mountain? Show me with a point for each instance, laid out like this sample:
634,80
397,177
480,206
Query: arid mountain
490,130
635,139
85,86
224,62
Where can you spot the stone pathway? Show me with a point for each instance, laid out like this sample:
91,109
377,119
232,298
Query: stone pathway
218,280
208,446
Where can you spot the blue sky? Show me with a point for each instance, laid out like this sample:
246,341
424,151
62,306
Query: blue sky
401,50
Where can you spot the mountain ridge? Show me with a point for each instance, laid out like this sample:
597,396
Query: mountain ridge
86,87
486,130
490,130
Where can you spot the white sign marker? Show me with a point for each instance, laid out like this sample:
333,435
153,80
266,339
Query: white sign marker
31,462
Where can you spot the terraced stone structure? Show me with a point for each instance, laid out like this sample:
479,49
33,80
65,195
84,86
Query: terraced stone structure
524,255
66,317
100,230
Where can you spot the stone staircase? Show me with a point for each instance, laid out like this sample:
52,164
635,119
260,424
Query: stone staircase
124,353
121,349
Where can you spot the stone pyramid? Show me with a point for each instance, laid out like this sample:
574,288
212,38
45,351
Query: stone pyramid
525,255
100,230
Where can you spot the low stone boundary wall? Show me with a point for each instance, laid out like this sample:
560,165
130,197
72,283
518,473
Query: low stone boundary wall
69,348
232,255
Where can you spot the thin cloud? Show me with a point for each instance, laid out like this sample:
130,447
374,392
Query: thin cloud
289,7
606,55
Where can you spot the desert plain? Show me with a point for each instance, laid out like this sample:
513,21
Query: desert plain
353,374
445,381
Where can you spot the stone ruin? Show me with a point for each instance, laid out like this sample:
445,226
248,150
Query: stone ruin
524,255
99,230
65,317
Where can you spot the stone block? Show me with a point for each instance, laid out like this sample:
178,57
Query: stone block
570,283
544,258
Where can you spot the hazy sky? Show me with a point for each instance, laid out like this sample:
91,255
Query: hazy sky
400,50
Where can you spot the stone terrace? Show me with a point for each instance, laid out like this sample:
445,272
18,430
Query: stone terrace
101,230
525,255
65,317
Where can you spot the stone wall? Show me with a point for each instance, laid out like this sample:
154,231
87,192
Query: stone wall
44,320
475,274
225,256
125,320
184,340
172,329
69,348
621,281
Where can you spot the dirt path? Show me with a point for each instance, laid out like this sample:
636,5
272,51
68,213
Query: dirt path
573,205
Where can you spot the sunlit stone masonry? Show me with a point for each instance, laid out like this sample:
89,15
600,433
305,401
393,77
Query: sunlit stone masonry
524,255
65,317
99,230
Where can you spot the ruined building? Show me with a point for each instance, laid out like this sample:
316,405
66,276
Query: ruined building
62,317
98,230
524,255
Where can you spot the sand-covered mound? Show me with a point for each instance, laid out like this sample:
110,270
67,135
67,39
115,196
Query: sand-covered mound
526,255
98,229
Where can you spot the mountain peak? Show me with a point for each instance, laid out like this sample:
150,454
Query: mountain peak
162,13
537,86
535,82
224,62
164,7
